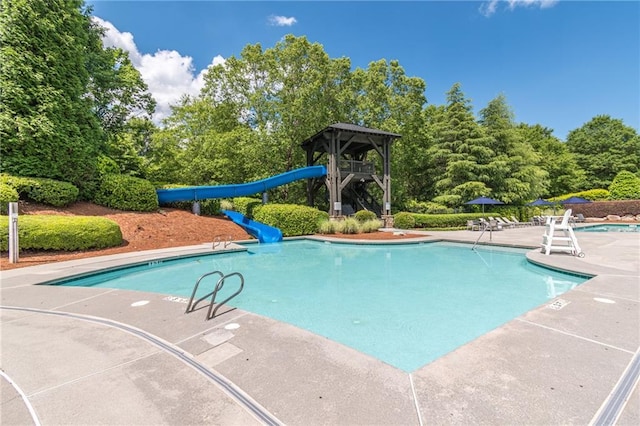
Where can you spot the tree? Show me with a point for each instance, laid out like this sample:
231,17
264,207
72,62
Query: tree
460,150
625,186
514,171
603,147
564,174
47,125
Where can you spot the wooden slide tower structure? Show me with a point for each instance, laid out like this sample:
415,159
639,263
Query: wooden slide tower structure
343,148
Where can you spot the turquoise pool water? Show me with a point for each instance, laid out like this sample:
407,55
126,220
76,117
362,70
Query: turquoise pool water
609,228
404,304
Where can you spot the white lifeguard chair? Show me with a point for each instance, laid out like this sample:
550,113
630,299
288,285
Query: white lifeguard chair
560,237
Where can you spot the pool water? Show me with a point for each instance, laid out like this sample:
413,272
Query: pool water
609,228
406,305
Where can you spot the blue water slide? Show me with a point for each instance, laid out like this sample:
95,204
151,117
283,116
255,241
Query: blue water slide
193,193
264,233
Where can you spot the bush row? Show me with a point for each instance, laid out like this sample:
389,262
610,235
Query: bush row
8,194
350,226
50,232
406,220
291,219
41,190
125,192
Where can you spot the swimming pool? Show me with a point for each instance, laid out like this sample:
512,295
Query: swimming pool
609,228
406,305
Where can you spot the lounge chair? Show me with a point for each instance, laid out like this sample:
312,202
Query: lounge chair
579,218
518,223
506,223
473,225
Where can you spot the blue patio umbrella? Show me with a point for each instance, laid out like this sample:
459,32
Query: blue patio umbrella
575,200
484,200
540,202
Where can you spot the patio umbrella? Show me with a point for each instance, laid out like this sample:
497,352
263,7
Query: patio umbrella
575,200
484,200
541,202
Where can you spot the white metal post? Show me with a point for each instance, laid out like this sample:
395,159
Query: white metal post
13,233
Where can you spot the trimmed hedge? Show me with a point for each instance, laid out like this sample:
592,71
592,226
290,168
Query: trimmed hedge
247,206
404,220
625,186
291,219
42,190
69,233
123,192
592,194
364,215
8,195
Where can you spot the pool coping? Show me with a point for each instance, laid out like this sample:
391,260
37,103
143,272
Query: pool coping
421,392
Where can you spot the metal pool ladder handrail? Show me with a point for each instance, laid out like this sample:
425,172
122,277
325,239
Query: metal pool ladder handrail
217,240
219,284
485,225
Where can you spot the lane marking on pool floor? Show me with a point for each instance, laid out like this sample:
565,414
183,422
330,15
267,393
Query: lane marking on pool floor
575,335
223,383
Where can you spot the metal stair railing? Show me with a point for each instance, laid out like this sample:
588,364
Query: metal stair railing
218,239
211,313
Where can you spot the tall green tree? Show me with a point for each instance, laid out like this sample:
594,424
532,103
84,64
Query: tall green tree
47,124
460,151
564,174
603,147
514,172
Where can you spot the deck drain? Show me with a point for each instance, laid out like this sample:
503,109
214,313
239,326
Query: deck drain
558,304
232,326
139,303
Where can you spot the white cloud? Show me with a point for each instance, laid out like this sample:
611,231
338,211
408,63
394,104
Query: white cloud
168,74
282,21
490,7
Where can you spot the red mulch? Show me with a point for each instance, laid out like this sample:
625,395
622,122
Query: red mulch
147,231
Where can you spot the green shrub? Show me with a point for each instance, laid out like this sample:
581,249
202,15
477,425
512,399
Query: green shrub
440,221
124,192
50,232
247,206
592,194
404,220
414,206
42,190
328,227
291,219
371,226
349,226
364,215
8,195
226,205
625,186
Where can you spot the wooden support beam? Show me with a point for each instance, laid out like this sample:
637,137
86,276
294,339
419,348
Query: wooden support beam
346,181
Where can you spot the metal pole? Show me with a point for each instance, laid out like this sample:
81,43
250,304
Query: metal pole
13,233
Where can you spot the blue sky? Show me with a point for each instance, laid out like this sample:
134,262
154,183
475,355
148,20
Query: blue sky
559,63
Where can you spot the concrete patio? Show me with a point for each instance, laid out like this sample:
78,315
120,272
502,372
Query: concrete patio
74,355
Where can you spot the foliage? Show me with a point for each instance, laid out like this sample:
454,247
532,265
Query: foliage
124,192
328,227
364,215
247,206
349,225
46,121
371,225
435,221
50,232
603,147
404,220
414,206
564,173
8,194
226,205
291,219
597,194
625,186
42,190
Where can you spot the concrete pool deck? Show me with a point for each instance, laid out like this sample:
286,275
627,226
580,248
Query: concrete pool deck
74,355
